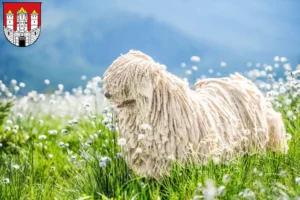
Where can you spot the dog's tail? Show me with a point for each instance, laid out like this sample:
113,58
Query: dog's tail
277,133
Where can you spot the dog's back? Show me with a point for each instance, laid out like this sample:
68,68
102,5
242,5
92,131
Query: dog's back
247,101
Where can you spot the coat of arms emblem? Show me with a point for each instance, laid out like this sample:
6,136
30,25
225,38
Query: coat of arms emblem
22,22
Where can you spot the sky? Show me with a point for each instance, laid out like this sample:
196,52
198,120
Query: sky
223,30
256,25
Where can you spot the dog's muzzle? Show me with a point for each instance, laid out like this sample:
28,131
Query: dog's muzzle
125,103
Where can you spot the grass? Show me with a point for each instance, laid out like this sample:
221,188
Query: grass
45,156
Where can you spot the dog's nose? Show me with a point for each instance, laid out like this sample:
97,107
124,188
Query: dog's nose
107,95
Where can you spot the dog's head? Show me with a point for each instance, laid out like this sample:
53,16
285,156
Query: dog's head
131,78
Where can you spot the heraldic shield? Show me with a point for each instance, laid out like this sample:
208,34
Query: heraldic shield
22,22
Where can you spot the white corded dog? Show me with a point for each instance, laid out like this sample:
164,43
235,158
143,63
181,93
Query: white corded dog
162,118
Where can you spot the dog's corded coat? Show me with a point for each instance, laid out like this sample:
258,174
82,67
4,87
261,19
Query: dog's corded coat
221,118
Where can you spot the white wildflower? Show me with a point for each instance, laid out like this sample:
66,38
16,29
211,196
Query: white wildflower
223,64
139,150
105,110
216,159
171,157
121,141
255,170
87,91
93,124
282,173
297,179
64,131
22,84
268,68
195,68
247,194
16,166
221,190
73,158
6,181
283,59
282,90
16,88
141,137
270,76
188,72
195,59
288,136
60,87
74,121
226,178
42,137
246,132
52,132
287,67
106,120
88,143
13,82
46,81
289,114
276,58
97,79
210,190
106,159
263,73
145,127
197,197
102,164
83,77
288,102
61,144
7,128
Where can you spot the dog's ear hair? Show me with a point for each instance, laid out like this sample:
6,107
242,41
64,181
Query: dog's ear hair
149,82
145,87
150,72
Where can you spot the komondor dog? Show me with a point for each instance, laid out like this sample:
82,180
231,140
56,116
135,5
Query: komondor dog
162,119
